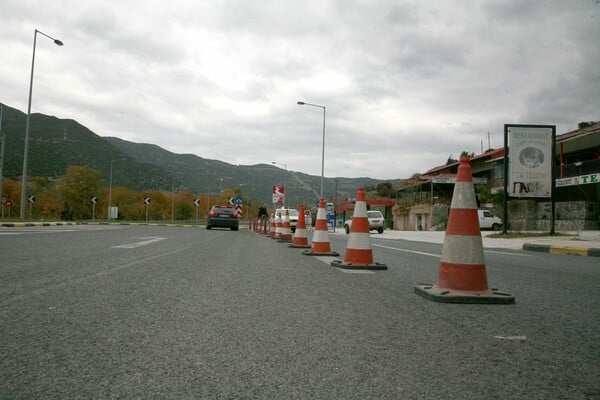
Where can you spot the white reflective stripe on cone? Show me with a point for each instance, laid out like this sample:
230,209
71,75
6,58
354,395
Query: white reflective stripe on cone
359,240
463,249
464,196
320,237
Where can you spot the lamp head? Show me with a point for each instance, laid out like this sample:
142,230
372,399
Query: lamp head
58,42
301,103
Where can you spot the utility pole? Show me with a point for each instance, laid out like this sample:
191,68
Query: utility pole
1,162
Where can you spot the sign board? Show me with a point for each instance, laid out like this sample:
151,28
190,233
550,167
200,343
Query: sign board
230,201
530,160
113,212
94,200
278,194
239,201
31,199
578,180
197,202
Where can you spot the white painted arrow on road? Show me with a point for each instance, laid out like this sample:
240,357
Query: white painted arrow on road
146,242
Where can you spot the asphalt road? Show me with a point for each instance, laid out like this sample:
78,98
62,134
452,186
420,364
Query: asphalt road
158,312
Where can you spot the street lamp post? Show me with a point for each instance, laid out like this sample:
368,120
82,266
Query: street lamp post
285,189
323,148
26,145
110,187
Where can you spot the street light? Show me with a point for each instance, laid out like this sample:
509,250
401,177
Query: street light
284,174
323,149
110,187
26,147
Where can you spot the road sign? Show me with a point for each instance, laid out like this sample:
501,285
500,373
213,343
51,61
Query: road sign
230,201
197,202
8,203
147,200
95,200
31,199
239,200
278,194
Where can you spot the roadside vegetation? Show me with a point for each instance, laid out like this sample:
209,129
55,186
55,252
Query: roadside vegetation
69,199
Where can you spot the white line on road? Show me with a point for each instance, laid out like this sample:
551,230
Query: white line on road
407,251
520,338
508,254
439,255
139,244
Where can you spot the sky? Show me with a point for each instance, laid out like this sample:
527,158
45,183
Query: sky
405,84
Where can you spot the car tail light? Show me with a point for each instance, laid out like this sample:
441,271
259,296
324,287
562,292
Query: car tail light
212,213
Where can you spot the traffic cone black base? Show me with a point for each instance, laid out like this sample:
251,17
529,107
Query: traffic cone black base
314,253
435,293
295,246
345,265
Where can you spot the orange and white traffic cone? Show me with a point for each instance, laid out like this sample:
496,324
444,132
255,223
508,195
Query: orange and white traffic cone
300,239
320,240
286,231
359,254
461,276
273,226
277,225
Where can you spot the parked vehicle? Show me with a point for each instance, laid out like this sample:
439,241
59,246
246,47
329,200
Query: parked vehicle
222,217
376,222
487,220
294,217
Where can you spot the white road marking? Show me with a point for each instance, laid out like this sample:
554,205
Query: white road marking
355,271
513,338
139,244
508,254
407,251
439,255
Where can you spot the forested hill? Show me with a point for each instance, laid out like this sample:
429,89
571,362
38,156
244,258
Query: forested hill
57,143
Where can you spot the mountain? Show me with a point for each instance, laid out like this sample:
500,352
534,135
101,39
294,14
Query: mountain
57,143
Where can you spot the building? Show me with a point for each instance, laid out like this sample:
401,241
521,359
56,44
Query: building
424,202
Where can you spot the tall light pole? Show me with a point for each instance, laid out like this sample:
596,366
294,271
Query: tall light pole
285,189
323,149
110,187
26,146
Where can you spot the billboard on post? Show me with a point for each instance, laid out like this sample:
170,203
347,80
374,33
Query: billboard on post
530,160
278,194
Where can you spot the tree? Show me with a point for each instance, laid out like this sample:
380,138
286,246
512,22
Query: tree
585,124
385,189
79,185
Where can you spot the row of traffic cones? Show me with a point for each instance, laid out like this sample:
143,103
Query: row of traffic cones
461,276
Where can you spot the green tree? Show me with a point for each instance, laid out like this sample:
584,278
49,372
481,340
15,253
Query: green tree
79,185
385,189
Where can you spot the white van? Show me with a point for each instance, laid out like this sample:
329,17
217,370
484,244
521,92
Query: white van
294,217
487,220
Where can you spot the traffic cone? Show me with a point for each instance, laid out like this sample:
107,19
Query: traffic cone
286,232
300,240
273,226
320,240
277,224
258,225
461,275
359,254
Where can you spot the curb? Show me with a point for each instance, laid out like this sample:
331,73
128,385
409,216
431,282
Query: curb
565,250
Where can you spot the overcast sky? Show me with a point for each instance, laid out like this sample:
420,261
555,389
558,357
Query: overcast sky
405,83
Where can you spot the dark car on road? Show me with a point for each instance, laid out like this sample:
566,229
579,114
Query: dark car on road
222,217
